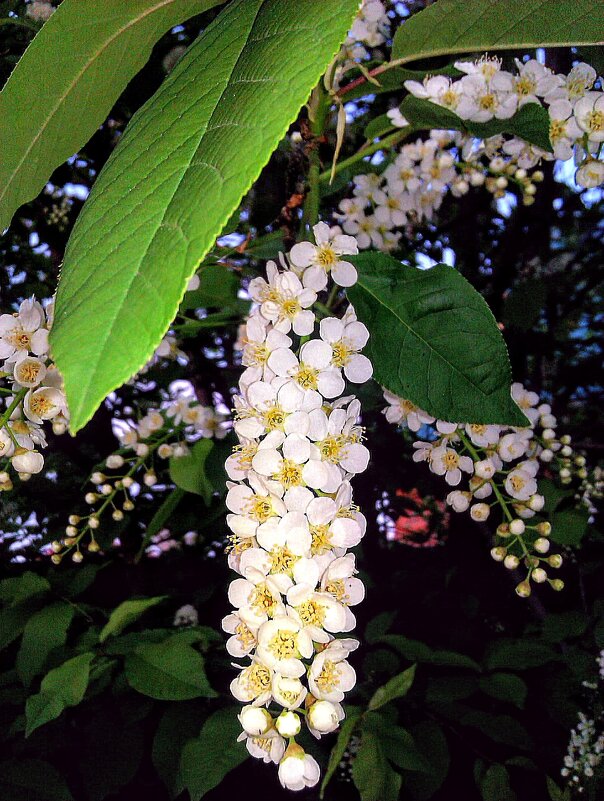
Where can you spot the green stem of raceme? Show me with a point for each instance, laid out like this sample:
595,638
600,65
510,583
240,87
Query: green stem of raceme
383,144
496,491
15,402
318,108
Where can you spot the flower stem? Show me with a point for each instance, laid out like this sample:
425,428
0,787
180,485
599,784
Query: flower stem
385,143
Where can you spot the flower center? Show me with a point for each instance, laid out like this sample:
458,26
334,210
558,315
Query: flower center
28,372
337,588
329,677
290,474
331,448
475,428
341,353
311,613
321,540
262,600
307,377
274,418
326,257
517,483
488,102
260,508
450,460
290,307
282,560
283,645
41,405
525,86
245,636
557,129
257,679
449,98
595,121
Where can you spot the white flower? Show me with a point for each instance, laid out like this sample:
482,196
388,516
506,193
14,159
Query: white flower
330,675
460,501
513,446
481,101
7,446
22,332
255,720
284,301
574,85
520,484
186,616
253,683
403,411
396,118
437,89
324,717
282,643
346,340
590,174
288,724
480,512
258,597
526,400
589,114
26,461
318,260
483,435
314,371
563,129
39,10
244,632
448,463
269,747
288,692
298,770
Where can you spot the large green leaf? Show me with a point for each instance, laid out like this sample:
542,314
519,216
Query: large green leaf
62,687
45,630
531,121
373,776
434,341
451,26
126,613
32,780
42,125
206,760
182,166
168,671
397,687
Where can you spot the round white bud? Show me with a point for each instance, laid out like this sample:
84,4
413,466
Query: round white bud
517,527
255,720
323,716
288,724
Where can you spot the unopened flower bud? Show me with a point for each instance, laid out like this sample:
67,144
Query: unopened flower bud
539,575
56,558
56,546
556,584
106,489
517,527
114,461
141,449
523,589
480,511
74,520
128,481
150,478
97,477
546,455
549,433
511,561
128,506
536,503
503,530
544,529
94,547
117,514
77,556
71,531
323,716
541,545
255,720
555,560
93,521
499,553
164,451
91,498
288,724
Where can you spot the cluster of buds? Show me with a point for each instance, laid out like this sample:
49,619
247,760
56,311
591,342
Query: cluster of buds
32,391
501,465
160,435
291,509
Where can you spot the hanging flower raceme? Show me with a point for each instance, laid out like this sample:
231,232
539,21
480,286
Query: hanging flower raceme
291,509
412,187
500,465
31,389
159,435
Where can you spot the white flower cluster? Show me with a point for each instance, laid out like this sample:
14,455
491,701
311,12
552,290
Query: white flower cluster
486,92
162,433
585,752
502,465
370,29
291,509
40,10
34,393
412,188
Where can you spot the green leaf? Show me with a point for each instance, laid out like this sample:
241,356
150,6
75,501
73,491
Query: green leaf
378,626
188,472
206,760
495,785
217,288
397,687
394,79
373,776
505,687
32,780
434,341
126,613
22,588
432,744
519,654
62,687
531,121
337,752
179,724
179,171
45,630
168,671
555,793
569,526
475,25
108,43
